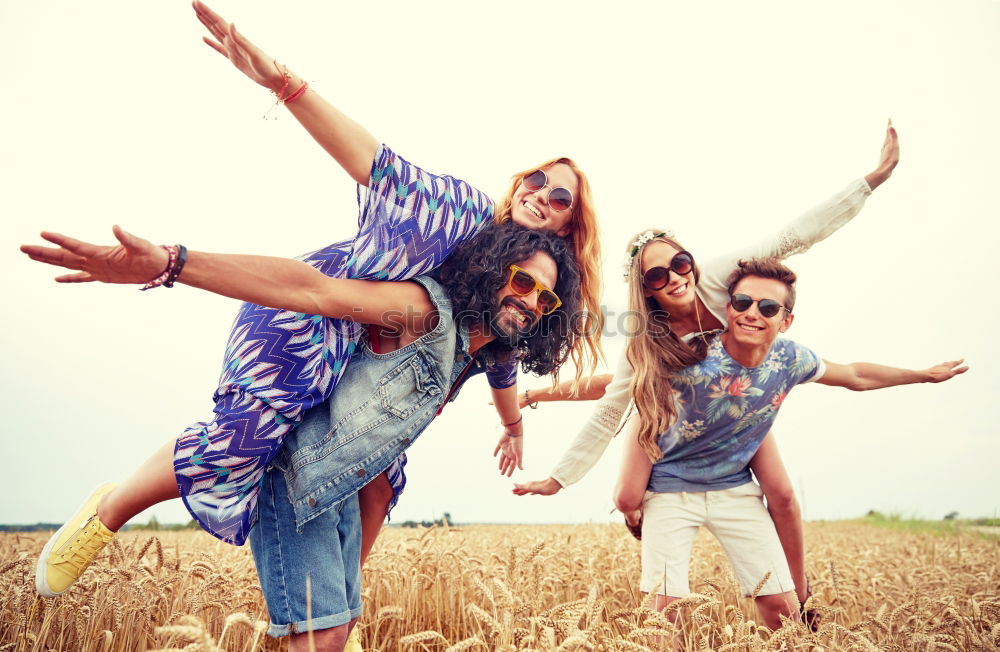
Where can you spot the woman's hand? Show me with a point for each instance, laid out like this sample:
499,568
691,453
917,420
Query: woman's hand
247,57
888,159
134,260
546,487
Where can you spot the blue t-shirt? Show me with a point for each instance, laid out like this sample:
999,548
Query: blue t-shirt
724,410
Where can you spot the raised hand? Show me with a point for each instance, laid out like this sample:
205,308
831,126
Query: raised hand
247,57
888,158
133,260
946,371
545,487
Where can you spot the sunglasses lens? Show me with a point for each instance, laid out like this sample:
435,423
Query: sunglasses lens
535,181
547,301
560,198
682,263
768,307
522,283
741,302
655,278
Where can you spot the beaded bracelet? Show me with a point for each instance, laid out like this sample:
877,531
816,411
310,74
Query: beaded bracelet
176,257
182,256
280,93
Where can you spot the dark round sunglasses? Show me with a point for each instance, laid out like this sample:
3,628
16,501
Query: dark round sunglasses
767,307
559,198
523,283
656,278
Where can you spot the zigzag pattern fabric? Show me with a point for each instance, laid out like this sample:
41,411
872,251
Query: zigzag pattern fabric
279,363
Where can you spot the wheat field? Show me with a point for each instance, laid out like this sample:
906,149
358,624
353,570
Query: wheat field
517,588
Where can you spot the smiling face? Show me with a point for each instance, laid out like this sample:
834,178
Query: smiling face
678,293
517,316
750,328
532,209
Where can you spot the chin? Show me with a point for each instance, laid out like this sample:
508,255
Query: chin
524,218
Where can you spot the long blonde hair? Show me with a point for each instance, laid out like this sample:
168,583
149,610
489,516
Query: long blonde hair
655,352
587,250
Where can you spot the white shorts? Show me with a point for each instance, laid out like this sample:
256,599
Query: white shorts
738,519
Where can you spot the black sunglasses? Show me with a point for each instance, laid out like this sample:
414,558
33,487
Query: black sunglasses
767,307
656,278
559,198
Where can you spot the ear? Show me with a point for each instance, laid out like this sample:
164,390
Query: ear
786,323
565,231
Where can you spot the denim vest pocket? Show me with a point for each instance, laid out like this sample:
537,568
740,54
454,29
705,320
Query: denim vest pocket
407,388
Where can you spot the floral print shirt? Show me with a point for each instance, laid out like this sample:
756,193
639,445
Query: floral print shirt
724,411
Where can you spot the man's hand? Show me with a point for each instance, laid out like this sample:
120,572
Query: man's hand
134,260
546,487
946,371
511,450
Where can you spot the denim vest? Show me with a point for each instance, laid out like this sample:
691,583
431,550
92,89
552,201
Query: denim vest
382,403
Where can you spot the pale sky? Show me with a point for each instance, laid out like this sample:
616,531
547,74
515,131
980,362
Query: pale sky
722,121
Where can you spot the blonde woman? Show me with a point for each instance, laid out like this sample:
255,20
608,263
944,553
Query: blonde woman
279,363
689,308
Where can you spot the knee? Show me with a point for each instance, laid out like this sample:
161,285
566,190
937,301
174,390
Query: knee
773,607
628,500
377,492
782,502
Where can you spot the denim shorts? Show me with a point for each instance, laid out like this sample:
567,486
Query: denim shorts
326,554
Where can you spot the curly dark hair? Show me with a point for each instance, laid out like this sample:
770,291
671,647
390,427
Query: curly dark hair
477,270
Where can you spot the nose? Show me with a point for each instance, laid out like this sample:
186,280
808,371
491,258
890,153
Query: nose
530,300
542,194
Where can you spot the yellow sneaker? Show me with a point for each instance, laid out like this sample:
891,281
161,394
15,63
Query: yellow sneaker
353,643
71,549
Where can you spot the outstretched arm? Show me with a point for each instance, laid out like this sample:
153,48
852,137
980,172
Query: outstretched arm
592,440
343,138
591,389
276,282
815,225
862,376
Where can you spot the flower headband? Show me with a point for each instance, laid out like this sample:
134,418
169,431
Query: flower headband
638,244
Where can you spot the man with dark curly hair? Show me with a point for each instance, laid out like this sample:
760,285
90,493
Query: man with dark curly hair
510,291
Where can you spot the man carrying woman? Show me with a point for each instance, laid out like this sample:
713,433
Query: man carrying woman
690,308
510,291
688,452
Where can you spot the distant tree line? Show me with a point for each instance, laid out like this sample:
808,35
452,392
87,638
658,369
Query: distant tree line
444,521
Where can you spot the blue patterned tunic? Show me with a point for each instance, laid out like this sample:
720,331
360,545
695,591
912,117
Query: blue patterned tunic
279,363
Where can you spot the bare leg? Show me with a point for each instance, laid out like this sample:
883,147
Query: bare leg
323,640
373,501
772,607
784,509
153,482
634,475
